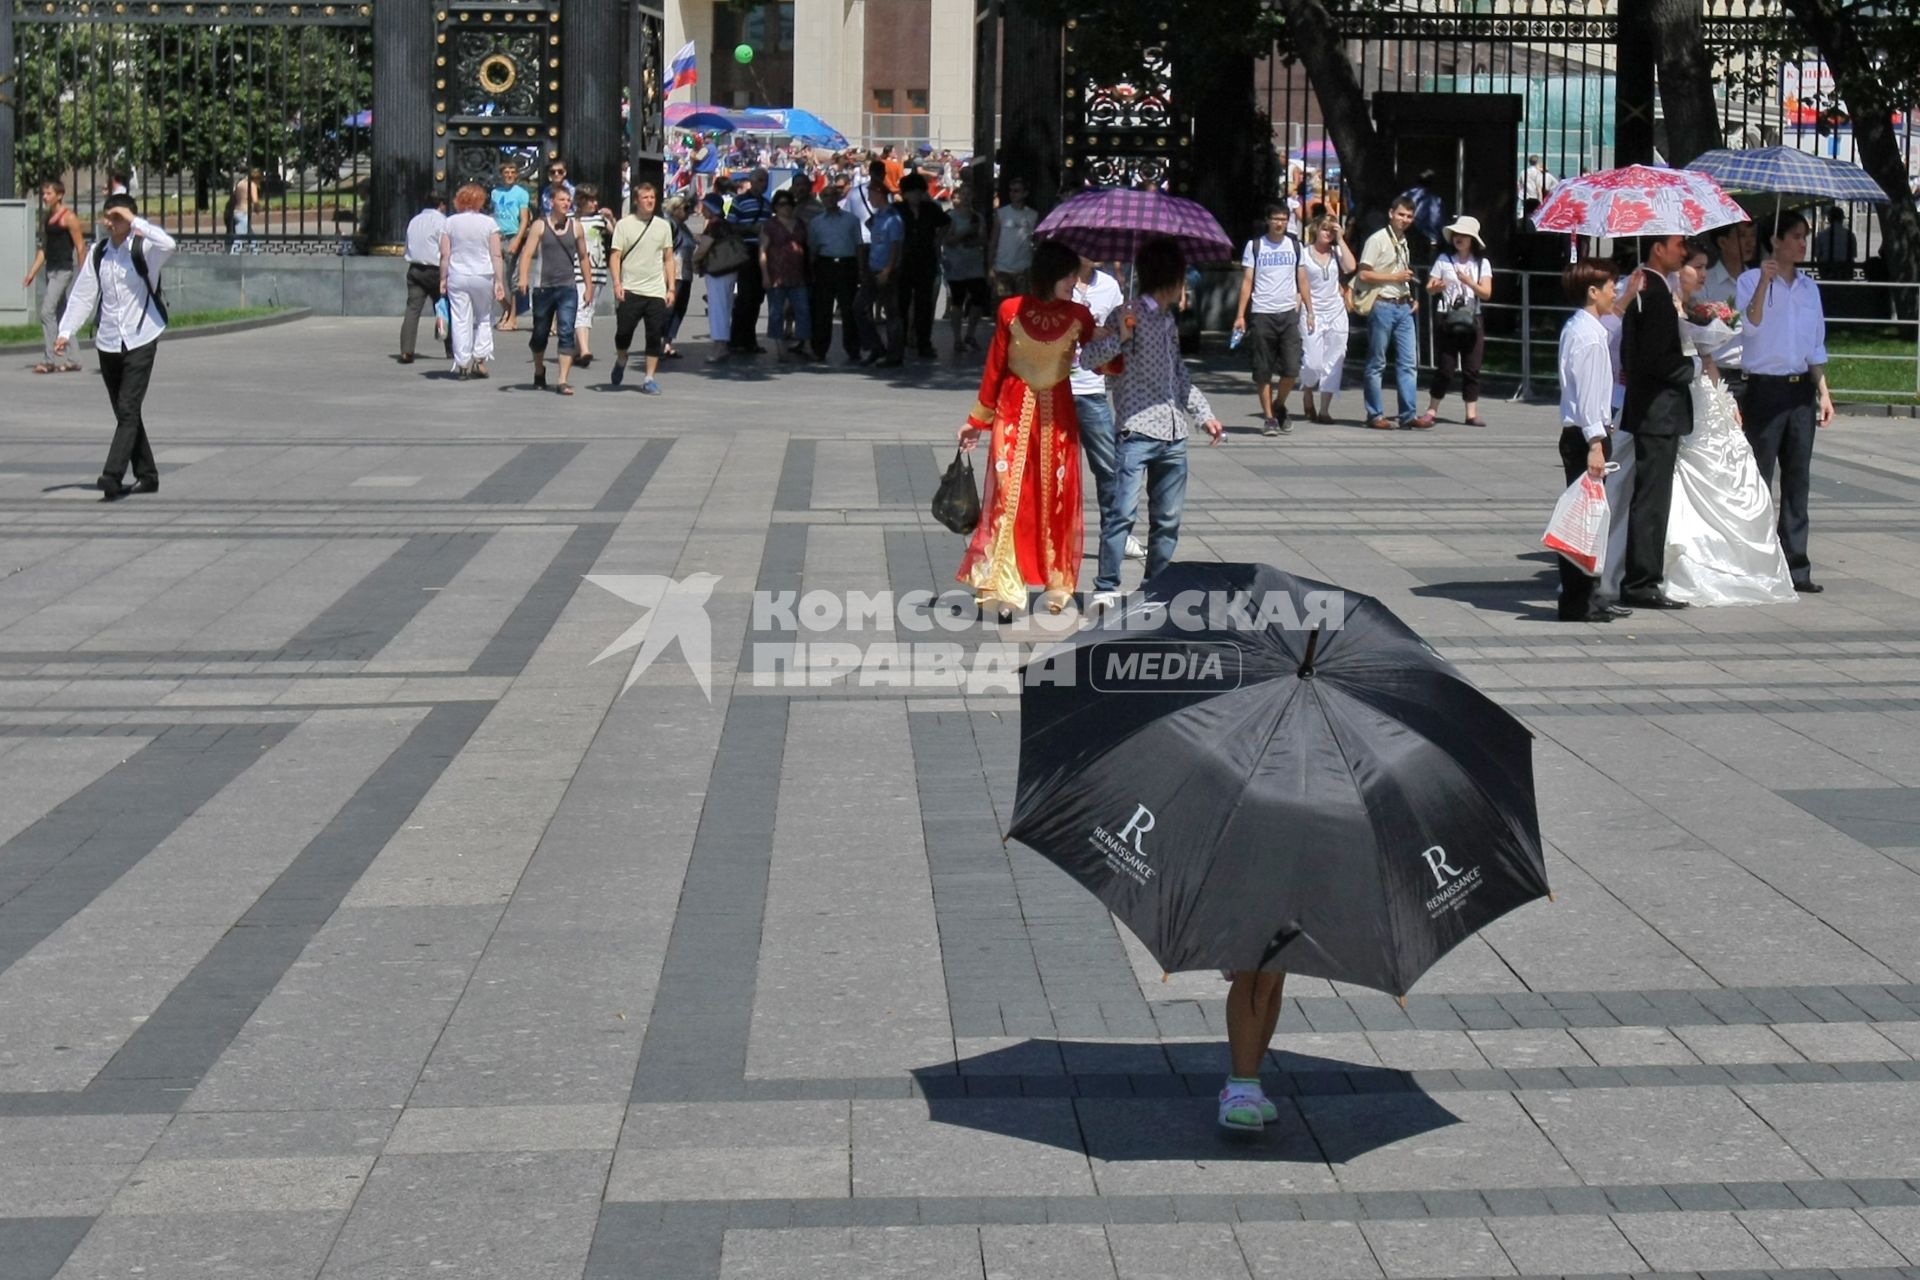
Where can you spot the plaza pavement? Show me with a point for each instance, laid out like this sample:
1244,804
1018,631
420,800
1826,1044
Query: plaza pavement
353,923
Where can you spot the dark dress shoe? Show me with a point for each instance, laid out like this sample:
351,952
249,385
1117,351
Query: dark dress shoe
1650,600
1808,588
1594,615
1613,610
147,486
406,357
111,493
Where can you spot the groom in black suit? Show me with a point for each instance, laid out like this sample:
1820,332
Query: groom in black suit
1658,411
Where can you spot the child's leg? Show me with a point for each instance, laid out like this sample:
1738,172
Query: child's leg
1253,1011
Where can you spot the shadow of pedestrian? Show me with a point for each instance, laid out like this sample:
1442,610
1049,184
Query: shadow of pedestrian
1151,1101
1519,597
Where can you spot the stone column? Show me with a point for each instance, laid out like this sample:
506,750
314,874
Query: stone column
1633,85
592,54
405,168
1030,102
986,91
830,62
950,85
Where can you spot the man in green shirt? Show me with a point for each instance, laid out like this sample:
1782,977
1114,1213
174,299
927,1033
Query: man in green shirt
643,268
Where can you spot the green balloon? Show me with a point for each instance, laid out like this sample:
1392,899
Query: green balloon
743,53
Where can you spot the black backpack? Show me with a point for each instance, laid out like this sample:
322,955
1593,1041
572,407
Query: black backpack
156,294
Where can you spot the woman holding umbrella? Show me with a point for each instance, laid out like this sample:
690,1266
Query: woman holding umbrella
1029,531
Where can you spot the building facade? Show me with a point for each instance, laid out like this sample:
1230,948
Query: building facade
878,70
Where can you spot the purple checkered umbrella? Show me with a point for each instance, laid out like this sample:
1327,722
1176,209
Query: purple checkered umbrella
1110,226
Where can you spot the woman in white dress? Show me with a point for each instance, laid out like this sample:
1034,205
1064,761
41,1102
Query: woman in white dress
1324,353
472,278
1723,541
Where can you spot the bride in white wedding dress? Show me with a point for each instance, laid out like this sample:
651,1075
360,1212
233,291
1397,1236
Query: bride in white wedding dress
1723,540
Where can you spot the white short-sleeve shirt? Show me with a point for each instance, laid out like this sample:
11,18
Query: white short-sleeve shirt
1276,278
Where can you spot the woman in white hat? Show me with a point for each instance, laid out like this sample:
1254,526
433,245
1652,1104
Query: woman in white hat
1463,279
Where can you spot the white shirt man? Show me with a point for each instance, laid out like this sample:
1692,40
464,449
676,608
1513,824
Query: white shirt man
1784,331
865,200
131,320
423,273
1269,314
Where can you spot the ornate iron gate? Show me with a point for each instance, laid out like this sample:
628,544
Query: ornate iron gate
496,90
179,100
1128,133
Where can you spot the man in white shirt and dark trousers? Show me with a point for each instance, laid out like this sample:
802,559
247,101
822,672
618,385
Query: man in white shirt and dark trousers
423,272
1270,285
1784,333
118,287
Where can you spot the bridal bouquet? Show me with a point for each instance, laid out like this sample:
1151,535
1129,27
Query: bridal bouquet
1710,325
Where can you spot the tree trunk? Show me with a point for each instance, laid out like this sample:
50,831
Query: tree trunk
1686,81
1366,156
1870,105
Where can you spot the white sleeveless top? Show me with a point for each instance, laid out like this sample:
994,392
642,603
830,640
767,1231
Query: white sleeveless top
1324,284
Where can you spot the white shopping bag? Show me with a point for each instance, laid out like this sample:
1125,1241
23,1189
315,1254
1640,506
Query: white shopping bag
1578,529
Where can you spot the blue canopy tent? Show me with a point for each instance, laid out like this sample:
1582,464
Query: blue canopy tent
803,125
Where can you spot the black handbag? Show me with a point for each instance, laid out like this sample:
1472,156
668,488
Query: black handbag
1461,321
727,254
956,503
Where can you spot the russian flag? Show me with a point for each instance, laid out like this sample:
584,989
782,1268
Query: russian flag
685,69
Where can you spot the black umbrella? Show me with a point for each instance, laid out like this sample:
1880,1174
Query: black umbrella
1254,770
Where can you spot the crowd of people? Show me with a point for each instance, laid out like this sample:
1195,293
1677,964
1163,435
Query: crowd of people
875,254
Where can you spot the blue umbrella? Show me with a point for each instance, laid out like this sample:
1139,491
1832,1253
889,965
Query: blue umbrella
1791,176
797,122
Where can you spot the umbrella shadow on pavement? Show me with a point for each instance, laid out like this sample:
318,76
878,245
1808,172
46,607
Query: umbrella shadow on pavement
1530,597
1150,1101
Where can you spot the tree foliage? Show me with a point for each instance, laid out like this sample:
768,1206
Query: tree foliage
194,100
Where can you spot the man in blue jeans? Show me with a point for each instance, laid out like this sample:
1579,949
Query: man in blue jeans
1386,276
1158,408
1101,294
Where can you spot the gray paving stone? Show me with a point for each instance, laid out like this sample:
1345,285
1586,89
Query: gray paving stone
36,1248
531,1214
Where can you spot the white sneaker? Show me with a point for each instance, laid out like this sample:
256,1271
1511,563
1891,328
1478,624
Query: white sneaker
1103,601
1136,549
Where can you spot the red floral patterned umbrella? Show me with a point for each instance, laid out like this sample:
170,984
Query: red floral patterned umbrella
1638,201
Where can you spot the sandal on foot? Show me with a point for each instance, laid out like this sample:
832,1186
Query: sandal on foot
1240,1112
44,368
566,389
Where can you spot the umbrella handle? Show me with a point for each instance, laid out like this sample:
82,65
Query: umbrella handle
1313,647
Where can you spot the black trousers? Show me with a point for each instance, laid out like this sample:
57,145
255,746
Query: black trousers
836,283
1457,357
126,374
423,291
749,291
1653,459
1576,585
919,292
1781,419
682,294
884,327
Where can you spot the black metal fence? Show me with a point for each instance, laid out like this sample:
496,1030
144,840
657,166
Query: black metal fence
241,127
1560,59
